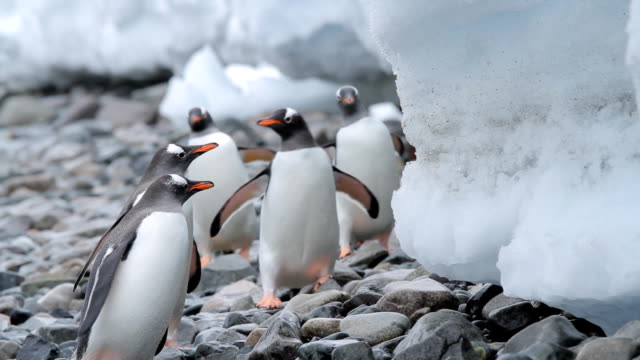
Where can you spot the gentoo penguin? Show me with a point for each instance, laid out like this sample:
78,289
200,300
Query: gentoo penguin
298,221
349,104
139,274
365,149
242,228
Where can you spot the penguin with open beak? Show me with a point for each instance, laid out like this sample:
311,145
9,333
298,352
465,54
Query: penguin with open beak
139,275
298,221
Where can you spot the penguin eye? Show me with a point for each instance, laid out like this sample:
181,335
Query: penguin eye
182,155
287,120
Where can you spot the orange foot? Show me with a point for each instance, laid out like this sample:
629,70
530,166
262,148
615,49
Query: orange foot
384,240
244,252
323,279
345,251
205,260
269,301
171,342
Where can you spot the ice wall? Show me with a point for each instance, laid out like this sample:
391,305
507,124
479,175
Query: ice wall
524,118
55,41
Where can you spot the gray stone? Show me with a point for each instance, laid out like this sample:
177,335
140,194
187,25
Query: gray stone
330,310
34,283
9,279
418,272
37,321
35,347
610,349
630,330
255,336
548,351
58,333
377,327
8,349
445,342
83,106
381,280
364,309
427,324
243,303
57,298
38,183
186,332
390,345
406,297
281,340
480,297
206,321
369,254
121,112
344,349
303,303
497,302
227,336
9,303
513,317
320,327
554,329
368,294
343,274
215,350
224,270
244,329
170,353
228,295
26,109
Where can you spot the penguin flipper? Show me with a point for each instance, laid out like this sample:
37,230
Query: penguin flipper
247,192
161,344
195,270
101,279
99,246
256,154
357,190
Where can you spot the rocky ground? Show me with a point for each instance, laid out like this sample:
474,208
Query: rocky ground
71,159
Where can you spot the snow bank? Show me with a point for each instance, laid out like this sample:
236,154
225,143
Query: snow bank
524,118
239,91
44,41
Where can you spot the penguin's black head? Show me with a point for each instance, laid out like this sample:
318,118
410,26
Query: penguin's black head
285,122
176,158
347,99
200,119
180,187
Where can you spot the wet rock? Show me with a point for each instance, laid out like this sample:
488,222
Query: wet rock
255,336
427,324
244,329
233,319
215,350
8,349
226,296
419,313
381,280
480,297
35,347
9,279
38,183
218,334
8,303
497,302
390,345
330,310
554,329
281,340
610,349
345,349
34,283
548,351
83,106
369,254
630,330
320,327
186,332
58,333
170,353
121,112
224,270
369,294
343,274
397,257
377,327
5,321
418,272
364,309
57,298
445,342
243,303
26,109
407,297
303,303
512,318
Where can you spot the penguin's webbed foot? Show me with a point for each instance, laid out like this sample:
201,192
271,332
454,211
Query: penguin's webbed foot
205,260
345,251
171,342
323,279
269,301
244,252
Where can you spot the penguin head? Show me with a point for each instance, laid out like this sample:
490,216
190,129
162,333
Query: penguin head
179,187
176,158
285,122
200,119
347,97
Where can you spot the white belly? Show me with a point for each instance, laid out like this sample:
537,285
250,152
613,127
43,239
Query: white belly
224,167
298,221
145,289
365,150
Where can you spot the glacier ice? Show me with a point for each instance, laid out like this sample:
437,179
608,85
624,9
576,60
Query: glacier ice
523,113
239,91
43,41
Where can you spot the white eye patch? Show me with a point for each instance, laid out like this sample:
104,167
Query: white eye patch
289,113
174,149
177,180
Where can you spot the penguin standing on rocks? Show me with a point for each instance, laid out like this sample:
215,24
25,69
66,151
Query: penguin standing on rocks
365,149
298,221
140,273
242,227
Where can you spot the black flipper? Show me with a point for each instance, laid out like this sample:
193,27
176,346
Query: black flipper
161,344
195,270
246,192
256,154
357,190
100,282
328,145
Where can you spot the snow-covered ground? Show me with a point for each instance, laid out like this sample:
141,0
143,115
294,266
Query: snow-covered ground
524,118
43,41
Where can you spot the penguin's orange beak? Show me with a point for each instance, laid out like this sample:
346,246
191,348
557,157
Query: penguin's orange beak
347,100
195,119
269,122
205,148
203,185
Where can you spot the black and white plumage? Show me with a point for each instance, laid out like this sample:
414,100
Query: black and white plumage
139,273
298,221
